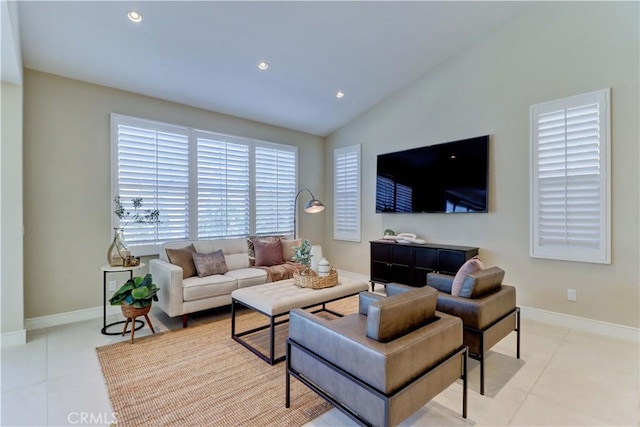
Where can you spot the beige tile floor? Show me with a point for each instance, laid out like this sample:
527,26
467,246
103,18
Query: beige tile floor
566,377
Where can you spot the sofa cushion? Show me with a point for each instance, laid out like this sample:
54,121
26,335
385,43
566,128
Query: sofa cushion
236,261
208,264
195,288
400,314
287,248
228,246
248,276
183,257
471,266
268,253
251,246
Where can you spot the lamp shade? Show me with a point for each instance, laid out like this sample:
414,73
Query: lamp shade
313,206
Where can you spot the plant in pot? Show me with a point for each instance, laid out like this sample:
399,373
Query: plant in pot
302,255
136,296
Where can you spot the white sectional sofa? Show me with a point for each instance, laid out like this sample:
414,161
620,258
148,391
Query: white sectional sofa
179,297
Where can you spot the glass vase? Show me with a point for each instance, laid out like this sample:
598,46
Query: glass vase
118,249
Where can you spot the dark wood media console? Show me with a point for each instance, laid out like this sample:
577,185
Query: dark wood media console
409,263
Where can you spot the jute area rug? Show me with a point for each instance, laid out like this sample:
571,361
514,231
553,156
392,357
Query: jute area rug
199,376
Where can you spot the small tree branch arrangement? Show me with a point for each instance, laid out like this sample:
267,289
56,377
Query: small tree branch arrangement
138,216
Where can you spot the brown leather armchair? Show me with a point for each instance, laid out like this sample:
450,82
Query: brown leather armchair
382,364
489,314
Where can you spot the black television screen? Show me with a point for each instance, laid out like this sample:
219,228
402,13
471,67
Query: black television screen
449,177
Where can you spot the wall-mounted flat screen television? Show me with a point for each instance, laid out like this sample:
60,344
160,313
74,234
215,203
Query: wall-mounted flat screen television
450,177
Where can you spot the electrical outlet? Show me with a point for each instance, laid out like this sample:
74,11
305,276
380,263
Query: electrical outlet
112,285
572,294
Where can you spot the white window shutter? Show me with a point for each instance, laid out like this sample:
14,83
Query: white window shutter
204,184
346,194
570,185
223,189
275,189
152,162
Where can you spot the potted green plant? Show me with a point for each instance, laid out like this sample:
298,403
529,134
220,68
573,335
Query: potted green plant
302,253
135,296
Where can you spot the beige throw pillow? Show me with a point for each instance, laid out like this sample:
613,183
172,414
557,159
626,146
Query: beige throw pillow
183,258
209,264
287,248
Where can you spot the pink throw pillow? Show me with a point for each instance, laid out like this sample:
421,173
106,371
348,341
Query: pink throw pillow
471,266
268,253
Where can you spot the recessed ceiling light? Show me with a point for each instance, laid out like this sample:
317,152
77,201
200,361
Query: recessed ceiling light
263,65
134,16
339,94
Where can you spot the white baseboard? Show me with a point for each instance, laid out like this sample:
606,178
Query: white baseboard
68,317
14,338
581,323
560,319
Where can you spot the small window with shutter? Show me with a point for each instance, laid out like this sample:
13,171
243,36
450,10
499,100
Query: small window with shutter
570,179
346,193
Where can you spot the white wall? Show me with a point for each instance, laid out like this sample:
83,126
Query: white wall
550,51
11,245
67,181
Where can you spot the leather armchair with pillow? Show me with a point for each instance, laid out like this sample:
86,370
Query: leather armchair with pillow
382,364
489,312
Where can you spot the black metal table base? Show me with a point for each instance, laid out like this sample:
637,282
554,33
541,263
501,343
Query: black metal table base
271,357
139,324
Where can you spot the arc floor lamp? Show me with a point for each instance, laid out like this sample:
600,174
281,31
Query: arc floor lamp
312,206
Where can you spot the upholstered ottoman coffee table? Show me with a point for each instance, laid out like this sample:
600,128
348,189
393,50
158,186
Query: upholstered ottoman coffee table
276,299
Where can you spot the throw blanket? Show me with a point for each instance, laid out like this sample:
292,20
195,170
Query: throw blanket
281,271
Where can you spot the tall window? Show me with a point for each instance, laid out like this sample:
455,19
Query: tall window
570,178
346,193
205,185
223,188
152,162
275,190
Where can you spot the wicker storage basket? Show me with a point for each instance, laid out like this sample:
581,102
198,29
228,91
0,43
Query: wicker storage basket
131,312
308,278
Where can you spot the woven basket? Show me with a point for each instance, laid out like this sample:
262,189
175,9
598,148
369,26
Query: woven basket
308,278
131,312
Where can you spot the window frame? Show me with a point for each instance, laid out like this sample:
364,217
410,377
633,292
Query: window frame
193,135
354,235
574,252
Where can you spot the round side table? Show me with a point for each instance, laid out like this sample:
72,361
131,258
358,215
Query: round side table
106,269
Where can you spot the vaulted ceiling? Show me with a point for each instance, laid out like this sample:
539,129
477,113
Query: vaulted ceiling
206,53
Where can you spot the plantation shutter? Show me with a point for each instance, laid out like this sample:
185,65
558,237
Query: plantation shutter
152,162
204,184
570,179
223,188
346,195
275,189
